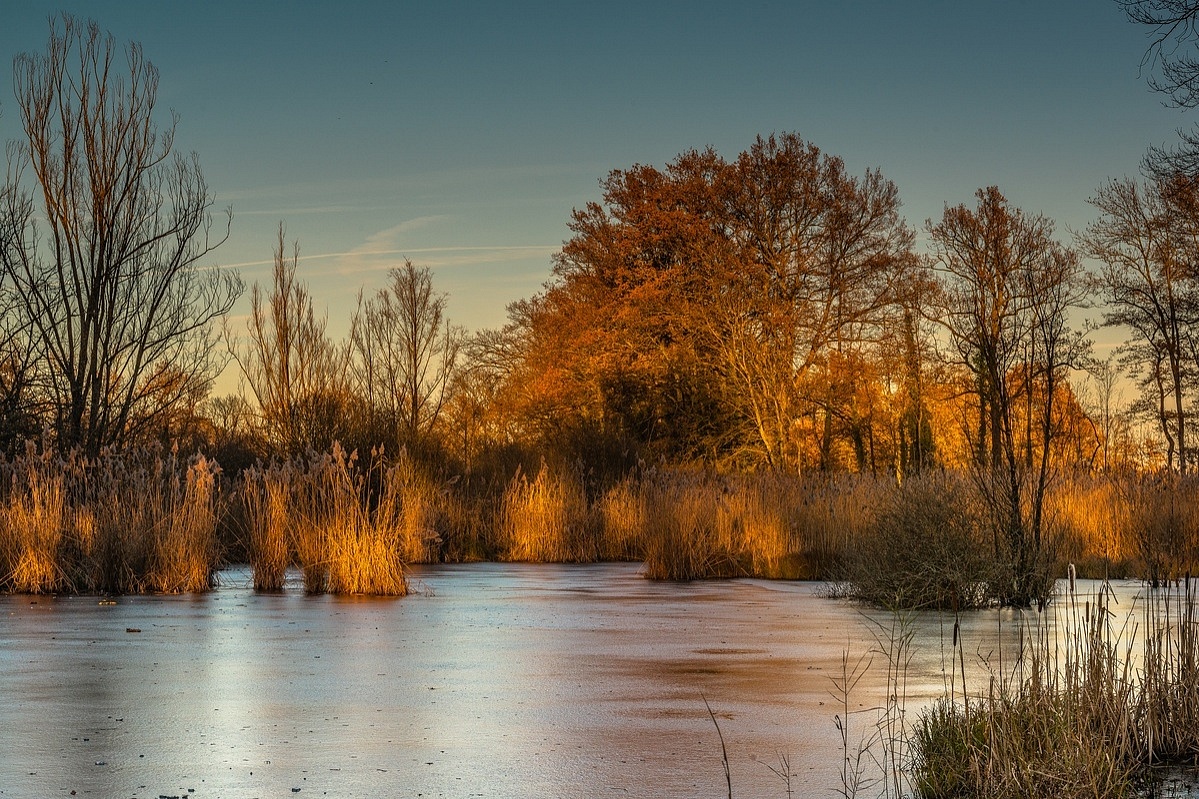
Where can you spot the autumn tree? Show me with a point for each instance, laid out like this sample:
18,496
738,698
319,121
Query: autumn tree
406,354
296,373
103,231
721,310
1006,291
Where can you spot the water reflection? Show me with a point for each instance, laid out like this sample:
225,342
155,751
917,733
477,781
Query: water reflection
498,679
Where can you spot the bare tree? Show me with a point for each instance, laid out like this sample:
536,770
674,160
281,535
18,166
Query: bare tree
297,375
1148,250
1006,290
406,352
1173,59
103,253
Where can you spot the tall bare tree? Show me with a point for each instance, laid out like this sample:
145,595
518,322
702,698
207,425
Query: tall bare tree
106,230
1006,291
1145,239
406,353
1173,60
295,372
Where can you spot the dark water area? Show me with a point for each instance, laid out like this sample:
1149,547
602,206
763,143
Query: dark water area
501,680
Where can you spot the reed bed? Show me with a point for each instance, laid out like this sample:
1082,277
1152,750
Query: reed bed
346,528
1127,524
546,519
133,522
701,525
1100,709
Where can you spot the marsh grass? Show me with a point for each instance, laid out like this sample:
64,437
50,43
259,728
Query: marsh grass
1127,525
142,521
265,496
546,519
343,528
1093,708
699,525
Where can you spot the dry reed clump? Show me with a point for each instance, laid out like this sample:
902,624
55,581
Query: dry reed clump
1124,524
183,553
265,494
412,504
830,514
622,522
1086,715
36,522
350,530
546,519
698,525
134,522
1091,515
682,538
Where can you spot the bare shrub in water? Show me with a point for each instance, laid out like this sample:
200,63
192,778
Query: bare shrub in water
925,550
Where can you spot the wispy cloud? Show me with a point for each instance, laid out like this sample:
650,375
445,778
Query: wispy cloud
440,256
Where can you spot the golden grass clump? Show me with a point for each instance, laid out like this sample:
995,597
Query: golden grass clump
183,556
130,522
266,498
546,519
35,519
345,533
411,504
1126,524
683,540
622,522
698,525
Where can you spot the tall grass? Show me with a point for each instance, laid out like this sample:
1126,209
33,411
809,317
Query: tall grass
546,519
1089,711
699,525
1127,524
141,521
345,531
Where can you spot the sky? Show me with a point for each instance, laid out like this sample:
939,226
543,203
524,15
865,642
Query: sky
461,135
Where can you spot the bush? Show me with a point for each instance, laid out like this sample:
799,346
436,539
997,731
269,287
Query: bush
925,550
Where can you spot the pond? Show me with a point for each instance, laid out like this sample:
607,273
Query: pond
502,680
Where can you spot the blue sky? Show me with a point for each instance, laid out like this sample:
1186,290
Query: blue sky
461,135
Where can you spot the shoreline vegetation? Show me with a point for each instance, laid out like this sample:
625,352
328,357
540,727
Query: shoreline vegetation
155,521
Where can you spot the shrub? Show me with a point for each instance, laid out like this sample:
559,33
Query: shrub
925,550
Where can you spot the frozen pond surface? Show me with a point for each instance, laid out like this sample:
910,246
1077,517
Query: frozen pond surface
501,680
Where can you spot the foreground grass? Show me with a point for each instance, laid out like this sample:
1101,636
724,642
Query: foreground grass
1097,711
